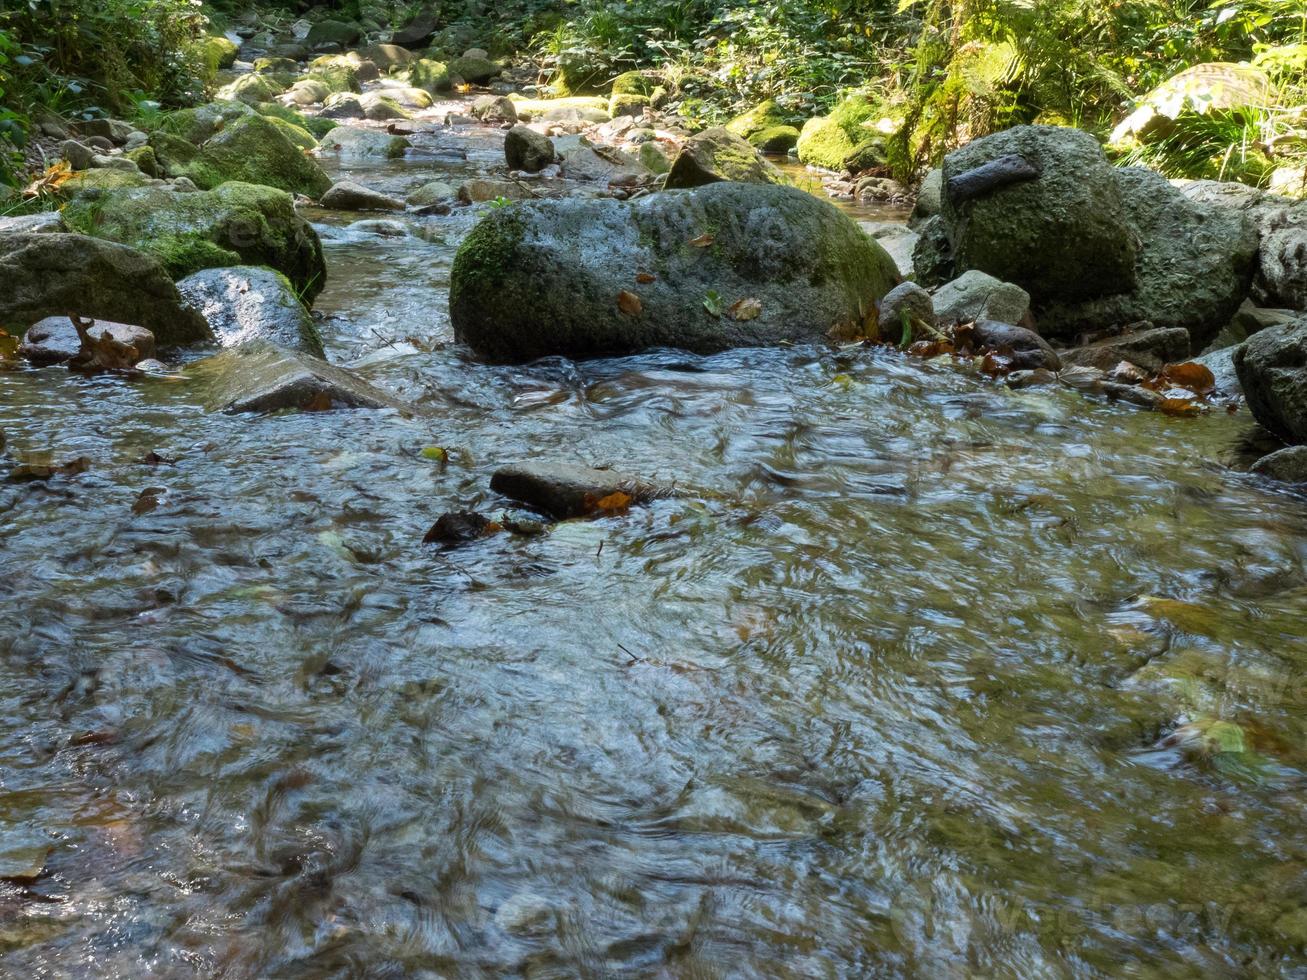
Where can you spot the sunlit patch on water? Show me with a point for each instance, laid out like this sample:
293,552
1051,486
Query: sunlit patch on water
922,676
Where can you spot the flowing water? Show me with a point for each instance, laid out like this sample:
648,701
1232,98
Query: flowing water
923,677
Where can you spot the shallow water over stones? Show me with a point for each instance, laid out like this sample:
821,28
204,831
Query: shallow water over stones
922,676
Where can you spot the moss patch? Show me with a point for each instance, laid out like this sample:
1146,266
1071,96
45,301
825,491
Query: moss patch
255,150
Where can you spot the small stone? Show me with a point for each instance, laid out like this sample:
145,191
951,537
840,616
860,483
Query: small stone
480,191
565,490
435,192
1026,348
977,296
350,196
527,150
458,527
906,300
494,109
78,155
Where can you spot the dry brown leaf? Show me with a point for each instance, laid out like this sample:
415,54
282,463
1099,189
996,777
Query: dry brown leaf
644,278
615,501
745,309
1179,406
629,303
703,241
54,177
321,402
1192,375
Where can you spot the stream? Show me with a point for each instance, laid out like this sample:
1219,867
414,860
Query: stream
923,676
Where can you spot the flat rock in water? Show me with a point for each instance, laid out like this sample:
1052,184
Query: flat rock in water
352,143
564,490
1149,349
54,340
262,377
246,303
347,195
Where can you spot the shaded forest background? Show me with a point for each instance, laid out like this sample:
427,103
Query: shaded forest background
930,73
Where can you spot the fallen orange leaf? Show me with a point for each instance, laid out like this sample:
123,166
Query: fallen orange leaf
613,502
745,309
703,241
629,303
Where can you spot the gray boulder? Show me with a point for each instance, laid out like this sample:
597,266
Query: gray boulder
1062,235
1282,266
1193,266
565,490
525,149
494,109
727,265
351,143
719,155
906,301
262,377
1272,368
51,274
930,198
975,295
348,195
1288,465
243,304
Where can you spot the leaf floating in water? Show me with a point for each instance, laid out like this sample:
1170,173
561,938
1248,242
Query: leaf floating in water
703,241
148,500
712,302
644,278
436,454
745,309
614,502
629,303
1198,378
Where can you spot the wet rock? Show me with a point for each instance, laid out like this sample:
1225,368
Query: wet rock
719,155
1061,236
355,144
347,195
527,150
51,274
564,490
977,296
54,340
1288,465
1221,364
262,377
1151,348
1272,367
243,304
1027,350
932,256
1193,267
494,109
905,302
458,527
1030,379
545,277
480,191
432,193
1133,394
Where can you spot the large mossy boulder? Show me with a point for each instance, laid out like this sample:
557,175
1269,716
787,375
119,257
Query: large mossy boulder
430,76
1194,266
246,303
251,89
766,127
234,224
201,122
722,266
255,150
53,274
1272,368
218,52
719,155
632,91
846,140
1061,235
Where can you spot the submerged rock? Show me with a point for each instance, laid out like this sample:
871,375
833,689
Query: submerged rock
727,265
234,224
246,303
52,274
719,155
262,377
1272,368
565,490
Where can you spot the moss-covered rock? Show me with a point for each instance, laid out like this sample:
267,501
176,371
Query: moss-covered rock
172,154
252,88
548,277
234,224
338,74
145,160
198,124
255,150
430,76
767,127
276,65
218,53
353,143
102,179
477,71
300,137
833,141
719,155
388,57
316,125
308,91
632,91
